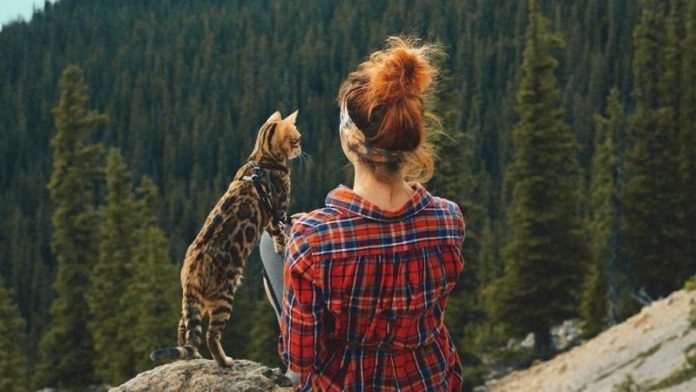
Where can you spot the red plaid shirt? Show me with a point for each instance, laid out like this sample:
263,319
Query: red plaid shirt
365,295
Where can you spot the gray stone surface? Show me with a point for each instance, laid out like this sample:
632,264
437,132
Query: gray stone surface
648,347
203,375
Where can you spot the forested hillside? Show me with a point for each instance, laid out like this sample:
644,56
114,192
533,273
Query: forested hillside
604,99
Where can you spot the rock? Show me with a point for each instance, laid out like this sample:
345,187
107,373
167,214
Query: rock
528,341
203,375
562,336
566,334
652,347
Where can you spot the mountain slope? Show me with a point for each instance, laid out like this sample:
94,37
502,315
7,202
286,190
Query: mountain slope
646,352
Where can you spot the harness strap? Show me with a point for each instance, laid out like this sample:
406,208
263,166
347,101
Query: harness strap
255,179
269,166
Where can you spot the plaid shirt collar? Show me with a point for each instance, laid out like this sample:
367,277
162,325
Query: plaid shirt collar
343,198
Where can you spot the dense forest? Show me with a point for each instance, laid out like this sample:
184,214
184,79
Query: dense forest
570,144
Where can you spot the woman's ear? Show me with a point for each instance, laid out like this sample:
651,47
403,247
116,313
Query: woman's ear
274,117
291,118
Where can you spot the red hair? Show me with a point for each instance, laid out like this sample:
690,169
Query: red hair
386,98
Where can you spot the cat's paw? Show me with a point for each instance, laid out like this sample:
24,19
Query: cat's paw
227,362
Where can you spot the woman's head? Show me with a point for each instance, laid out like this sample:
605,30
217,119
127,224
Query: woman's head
383,116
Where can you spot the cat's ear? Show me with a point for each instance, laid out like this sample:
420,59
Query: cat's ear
291,118
274,117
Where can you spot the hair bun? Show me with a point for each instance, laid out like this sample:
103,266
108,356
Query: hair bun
401,72
386,95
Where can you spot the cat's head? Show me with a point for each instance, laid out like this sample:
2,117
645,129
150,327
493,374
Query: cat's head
278,139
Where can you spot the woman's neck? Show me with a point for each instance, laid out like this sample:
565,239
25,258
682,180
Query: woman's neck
389,194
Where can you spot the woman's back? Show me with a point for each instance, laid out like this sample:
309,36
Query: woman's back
367,290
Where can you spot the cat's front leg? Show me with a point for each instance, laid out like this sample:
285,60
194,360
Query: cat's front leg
278,234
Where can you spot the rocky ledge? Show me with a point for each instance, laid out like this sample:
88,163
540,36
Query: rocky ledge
655,350
203,375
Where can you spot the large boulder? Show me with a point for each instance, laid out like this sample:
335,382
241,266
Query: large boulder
200,375
653,350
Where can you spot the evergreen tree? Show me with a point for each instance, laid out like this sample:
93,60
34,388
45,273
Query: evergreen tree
654,239
454,180
593,307
172,100
66,347
491,267
546,254
238,332
150,305
110,276
264,335
687,137
13,356
601,304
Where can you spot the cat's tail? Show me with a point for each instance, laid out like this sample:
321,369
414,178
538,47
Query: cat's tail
174,353
189,335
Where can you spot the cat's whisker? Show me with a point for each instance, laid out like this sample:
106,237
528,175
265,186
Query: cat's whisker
305,158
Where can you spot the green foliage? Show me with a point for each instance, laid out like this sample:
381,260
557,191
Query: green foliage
264,335
188,83
594,301
109,277
627,385
687,136
515,357
66,348
600,300
454,181
13,356
151,302
237,334
690,284
546,254
654,235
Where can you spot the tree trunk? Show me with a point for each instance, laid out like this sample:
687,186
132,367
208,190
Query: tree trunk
542,341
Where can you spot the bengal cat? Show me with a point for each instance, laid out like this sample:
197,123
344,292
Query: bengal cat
215,260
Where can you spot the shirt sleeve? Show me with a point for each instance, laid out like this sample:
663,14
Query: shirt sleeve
461,231
302,308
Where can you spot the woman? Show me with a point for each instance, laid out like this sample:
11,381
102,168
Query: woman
367,277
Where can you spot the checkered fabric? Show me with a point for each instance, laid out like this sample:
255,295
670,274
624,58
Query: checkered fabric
365,295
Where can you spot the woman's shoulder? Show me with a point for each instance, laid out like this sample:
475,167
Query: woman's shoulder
447,207
315,220
449,218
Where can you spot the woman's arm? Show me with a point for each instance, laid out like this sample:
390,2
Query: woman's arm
302,308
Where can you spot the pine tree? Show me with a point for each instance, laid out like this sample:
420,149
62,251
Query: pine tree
151,302
593,307
110,275
546,254
687,137
654,240
454,180
238,332
156,90
13,355
601,302
66,347
264,335
491,267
